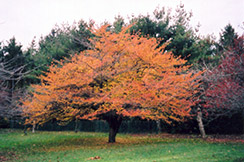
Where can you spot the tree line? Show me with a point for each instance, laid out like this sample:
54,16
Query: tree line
154,67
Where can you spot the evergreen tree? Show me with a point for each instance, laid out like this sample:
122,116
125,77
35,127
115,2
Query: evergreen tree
227,37
13,58
62,42
175,29
12,70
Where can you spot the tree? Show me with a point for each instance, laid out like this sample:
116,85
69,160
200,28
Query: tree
224,94
13,58
11,75
9,95
13,80
118,24
122,76
63,41
227,38
176,29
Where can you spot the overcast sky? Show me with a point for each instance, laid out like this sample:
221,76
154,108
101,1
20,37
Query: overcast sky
25,19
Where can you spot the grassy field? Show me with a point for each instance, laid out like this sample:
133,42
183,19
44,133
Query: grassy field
83,146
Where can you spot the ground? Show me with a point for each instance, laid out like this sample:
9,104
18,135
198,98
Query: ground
87,146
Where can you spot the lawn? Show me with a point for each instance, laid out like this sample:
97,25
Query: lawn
85,146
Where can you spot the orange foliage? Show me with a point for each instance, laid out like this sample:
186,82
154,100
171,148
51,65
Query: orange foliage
122,73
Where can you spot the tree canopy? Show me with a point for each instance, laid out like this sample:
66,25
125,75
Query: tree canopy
225,91
12,78
122,75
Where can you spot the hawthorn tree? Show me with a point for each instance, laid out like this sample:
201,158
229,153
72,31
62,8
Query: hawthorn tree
224,94
121,76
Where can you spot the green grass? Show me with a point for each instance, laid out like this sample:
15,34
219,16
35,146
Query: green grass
70,146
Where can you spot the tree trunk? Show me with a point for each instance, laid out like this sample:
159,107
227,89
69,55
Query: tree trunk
33,128
76,125
200,123
243,121
25,130
114,124
159,128
11,123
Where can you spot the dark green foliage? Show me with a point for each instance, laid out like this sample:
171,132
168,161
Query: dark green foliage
227,37
59,44
153,27
12,60
225,42
12,80
12,50
118,24
175,29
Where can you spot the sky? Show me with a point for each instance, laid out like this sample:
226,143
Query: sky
26,19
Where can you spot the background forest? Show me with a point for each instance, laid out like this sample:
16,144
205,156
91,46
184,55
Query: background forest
218,105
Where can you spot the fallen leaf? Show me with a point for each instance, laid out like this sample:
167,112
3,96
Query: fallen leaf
94,158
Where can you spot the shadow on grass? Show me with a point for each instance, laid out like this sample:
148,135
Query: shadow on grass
239,159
